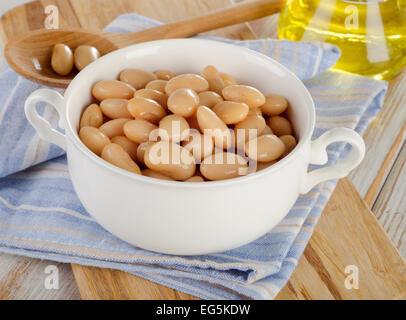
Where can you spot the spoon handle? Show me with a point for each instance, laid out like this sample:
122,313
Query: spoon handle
236,14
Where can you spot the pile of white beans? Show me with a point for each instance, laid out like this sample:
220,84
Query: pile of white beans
187,127
63,60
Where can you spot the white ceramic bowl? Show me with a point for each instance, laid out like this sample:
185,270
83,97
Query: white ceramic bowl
192,218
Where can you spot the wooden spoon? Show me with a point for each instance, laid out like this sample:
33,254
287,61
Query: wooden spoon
30,55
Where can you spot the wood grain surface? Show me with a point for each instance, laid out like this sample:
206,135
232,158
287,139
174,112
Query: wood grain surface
347,233
24,278
390,205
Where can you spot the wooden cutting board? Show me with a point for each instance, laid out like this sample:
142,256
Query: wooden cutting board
347,233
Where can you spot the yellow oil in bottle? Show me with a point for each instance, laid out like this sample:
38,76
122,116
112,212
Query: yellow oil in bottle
371,34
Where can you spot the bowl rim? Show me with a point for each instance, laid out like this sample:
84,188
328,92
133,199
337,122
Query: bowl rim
74,136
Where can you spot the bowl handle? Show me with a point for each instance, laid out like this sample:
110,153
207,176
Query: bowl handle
42,126
343,167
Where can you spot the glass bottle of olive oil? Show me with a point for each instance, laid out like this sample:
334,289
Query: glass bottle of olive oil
371,34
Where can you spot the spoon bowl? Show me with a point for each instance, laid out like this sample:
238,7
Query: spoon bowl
30,55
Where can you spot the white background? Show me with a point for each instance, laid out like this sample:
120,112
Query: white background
8,4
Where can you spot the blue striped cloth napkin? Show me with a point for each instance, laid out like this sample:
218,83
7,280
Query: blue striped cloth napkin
41,217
